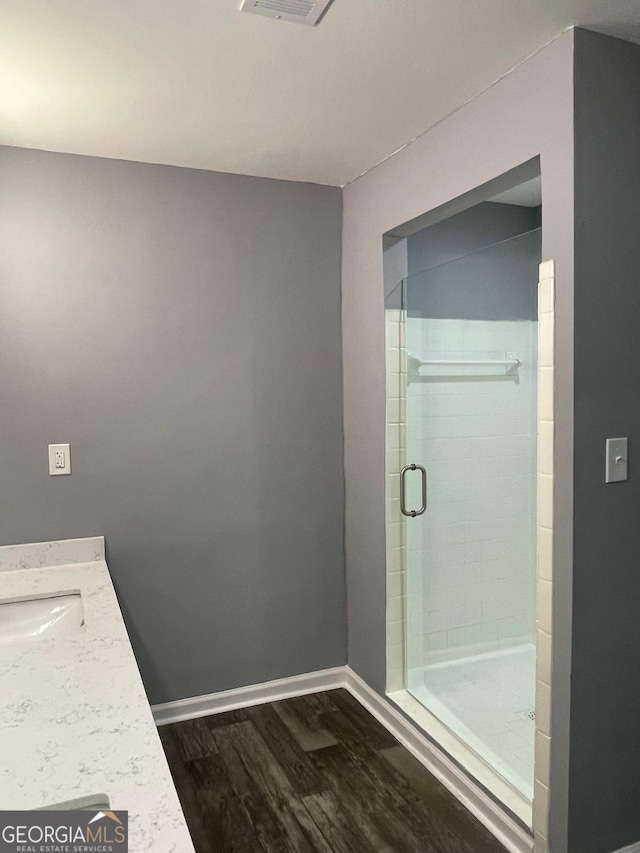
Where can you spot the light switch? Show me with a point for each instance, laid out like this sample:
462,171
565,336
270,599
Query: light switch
59,459
616,467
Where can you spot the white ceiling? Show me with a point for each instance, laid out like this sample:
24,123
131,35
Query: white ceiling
197,83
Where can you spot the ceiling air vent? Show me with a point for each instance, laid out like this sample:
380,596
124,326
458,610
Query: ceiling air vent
306,12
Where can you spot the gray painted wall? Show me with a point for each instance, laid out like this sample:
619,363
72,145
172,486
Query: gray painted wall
527,114
476,228
472,267
605,702
394,262
181,329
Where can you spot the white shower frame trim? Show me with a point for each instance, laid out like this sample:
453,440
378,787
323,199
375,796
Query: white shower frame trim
545,525
473,763
498,821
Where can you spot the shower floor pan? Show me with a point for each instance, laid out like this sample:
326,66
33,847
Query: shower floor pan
487,701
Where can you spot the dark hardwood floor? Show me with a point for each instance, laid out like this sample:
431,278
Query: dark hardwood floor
315,773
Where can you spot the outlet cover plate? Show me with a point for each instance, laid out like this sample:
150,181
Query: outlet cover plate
59,459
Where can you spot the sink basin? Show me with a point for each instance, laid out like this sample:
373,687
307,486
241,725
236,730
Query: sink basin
40,618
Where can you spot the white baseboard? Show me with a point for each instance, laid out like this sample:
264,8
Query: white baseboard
244,697
489,813
480,804
632,848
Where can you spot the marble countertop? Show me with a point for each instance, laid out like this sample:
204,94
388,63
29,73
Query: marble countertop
74,717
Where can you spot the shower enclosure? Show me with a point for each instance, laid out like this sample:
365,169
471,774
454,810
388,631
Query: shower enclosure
461,505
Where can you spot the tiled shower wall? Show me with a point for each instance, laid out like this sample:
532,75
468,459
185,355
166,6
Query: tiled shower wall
546,428
470,562
471,558
395,444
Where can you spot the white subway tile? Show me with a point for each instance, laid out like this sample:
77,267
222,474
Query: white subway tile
542,757
393,359
455,638
547,269
472,595
543,708
394,536
473,635
545,447
437,641
543,656
473,614
546,296
545,606
393,410
439,620
393,338
395,655
393,385
545,553
395,585
395,632
545,393
395,679
394,560
395,608
540,808
394,460
393,509
490,571
489,632
546,334
489,609
545,500
523,622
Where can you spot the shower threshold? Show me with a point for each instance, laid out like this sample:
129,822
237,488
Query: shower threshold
479,710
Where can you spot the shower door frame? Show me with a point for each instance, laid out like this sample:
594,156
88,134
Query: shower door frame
534,814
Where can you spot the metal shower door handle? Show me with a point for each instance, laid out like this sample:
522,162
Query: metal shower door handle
412,513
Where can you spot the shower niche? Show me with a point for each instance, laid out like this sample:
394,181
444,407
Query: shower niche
462,342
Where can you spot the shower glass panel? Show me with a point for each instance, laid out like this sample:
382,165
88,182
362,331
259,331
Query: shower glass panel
468,339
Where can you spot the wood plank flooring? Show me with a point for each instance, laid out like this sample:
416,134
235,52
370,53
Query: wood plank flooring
315,774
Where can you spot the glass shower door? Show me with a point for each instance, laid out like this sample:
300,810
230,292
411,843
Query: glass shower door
468,499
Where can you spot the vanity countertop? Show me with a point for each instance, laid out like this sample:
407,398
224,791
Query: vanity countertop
74,716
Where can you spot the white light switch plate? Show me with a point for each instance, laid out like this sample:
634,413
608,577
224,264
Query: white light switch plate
616,464
59,459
